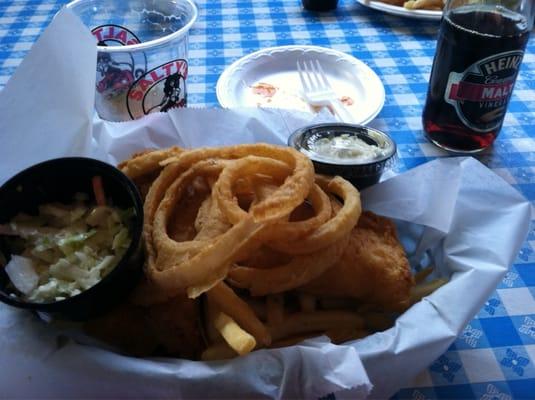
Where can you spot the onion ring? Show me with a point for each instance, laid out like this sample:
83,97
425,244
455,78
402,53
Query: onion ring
297,184
210,221
147,162
251,165
209,266
248,166
300,181
294,230
300,270
161,249
336,228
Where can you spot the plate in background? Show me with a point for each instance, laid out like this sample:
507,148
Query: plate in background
433,15
276,66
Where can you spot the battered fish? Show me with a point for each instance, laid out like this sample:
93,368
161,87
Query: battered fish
373,268
171,329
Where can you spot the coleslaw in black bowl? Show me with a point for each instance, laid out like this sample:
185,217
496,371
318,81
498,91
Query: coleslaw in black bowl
70,238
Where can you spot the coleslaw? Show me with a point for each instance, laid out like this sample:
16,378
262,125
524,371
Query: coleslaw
65,249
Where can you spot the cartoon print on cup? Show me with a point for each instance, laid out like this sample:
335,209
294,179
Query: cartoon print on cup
159,89
116,74
114,77
172,93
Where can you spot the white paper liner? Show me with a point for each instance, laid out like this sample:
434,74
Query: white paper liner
462,217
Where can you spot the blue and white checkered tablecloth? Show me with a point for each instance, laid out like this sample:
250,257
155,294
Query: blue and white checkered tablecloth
502,336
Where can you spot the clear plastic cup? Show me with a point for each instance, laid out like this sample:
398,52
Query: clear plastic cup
142,61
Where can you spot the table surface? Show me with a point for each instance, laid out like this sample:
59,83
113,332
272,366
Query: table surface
502,335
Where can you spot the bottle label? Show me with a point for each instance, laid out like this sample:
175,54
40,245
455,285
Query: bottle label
481,93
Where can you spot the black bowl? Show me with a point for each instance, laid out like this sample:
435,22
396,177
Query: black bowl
360,173
58,180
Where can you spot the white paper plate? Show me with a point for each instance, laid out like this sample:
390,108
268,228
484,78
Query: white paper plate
401,11
277,66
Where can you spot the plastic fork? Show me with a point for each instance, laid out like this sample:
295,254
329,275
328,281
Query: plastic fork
318,92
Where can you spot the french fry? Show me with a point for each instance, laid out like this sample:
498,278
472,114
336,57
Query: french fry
307,302
293,340
393,2
275,309
338,335
317,321
258,305
377,321
424,4
220,351
424,289
241,341
210,312
337,303
231,304
422,275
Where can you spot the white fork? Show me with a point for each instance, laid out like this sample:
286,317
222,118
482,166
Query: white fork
317,90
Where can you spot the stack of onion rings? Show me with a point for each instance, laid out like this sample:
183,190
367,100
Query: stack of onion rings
241,201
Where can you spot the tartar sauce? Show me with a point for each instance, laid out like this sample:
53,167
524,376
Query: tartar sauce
346,147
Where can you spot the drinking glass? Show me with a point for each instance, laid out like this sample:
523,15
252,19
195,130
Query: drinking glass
142,54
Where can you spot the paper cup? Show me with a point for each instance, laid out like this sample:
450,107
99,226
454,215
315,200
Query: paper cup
142,61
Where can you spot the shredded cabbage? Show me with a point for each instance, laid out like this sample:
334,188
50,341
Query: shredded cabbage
70,248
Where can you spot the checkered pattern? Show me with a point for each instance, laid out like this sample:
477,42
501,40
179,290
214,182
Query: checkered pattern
494,357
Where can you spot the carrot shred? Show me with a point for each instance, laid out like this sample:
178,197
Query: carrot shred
98,190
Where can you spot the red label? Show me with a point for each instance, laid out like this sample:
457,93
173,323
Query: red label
480,92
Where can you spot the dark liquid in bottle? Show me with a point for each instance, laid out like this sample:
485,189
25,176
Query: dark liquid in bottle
484,46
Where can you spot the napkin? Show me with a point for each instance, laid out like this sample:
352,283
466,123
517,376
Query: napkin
454,214
47,105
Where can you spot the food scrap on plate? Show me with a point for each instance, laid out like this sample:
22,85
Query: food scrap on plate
248,248
269,95
417,4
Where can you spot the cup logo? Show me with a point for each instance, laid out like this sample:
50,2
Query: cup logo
116,73
160,89
113,35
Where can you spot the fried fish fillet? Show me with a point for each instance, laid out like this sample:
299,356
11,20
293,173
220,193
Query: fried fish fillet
373,268
171,328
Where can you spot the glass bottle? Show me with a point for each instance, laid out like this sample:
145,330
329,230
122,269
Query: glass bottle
479,50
